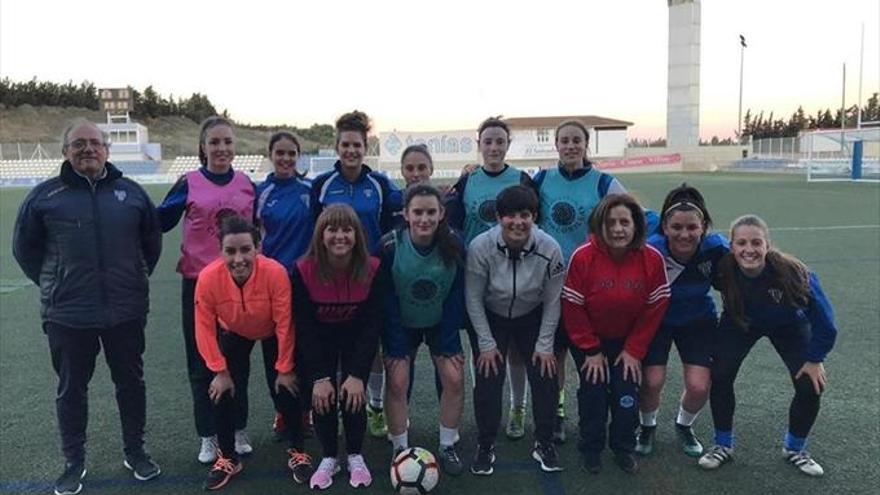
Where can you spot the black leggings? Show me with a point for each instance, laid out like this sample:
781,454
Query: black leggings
237,351
339,354
733,345
521,332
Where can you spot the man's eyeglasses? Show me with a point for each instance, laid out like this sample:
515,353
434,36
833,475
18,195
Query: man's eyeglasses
80,144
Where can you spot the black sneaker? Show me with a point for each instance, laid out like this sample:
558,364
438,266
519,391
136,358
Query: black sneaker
143,468
70,481
592,462
626,462
689,442
449,461
545,454
222,471
301,465
484,460
645,440
559,430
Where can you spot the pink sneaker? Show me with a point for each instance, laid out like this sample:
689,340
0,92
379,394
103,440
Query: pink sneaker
357,469
322,478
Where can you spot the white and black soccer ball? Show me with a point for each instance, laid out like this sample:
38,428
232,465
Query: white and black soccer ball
414,472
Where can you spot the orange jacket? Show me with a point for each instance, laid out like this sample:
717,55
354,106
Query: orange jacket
258,310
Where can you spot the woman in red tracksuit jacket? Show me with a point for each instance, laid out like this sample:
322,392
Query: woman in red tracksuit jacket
615,296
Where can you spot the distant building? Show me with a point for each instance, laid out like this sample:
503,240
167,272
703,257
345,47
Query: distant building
533,142
116,100
129,141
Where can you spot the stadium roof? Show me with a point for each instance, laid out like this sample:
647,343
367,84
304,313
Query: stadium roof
588,120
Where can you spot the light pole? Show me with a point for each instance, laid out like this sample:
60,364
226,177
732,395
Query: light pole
739,119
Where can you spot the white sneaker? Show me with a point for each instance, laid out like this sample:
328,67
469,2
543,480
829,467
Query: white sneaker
716,457
208,452
804,462
242,443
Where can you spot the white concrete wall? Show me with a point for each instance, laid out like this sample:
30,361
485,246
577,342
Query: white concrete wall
608,142
683,87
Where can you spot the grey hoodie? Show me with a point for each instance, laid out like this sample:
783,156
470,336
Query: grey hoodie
512,285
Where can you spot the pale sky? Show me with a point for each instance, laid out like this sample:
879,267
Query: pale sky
443,65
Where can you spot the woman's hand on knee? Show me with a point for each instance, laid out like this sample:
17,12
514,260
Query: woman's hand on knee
352,393
287,381
632,367
595,368
221,384
816,373
322,396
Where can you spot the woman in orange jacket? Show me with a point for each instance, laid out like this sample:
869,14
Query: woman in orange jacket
240,298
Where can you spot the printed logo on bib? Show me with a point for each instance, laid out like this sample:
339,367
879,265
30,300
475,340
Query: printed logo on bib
423,290
487,211
775,294
566,216
563,214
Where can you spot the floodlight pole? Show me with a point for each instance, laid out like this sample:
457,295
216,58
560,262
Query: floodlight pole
739,117
861,66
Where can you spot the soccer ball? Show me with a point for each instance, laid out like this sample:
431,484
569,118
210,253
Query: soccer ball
414,472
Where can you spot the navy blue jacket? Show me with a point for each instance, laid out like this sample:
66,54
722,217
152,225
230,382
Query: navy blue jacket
372,195
90,248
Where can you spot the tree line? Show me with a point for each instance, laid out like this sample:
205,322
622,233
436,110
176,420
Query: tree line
148,104
760,127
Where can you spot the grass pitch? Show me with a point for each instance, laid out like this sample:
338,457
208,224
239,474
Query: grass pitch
831,226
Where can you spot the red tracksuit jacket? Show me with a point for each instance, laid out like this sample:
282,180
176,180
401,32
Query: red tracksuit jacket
607,299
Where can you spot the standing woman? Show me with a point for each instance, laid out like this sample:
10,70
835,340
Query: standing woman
470,208
614,298
568,193
425,263
243,297
692,254
201,197
375,199
284,214
768,293
284,203
339,295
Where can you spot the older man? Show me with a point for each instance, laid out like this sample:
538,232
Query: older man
89,238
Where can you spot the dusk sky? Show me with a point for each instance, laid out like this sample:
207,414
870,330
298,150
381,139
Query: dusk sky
435,65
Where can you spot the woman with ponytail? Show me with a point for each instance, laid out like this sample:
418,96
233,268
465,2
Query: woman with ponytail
771,294
692,254
425,262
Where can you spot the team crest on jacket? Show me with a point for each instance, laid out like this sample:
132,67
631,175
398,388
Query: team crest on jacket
775,294
368,193
705,268
120,195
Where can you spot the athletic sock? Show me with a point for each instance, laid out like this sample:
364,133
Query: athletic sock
724,438
793,443
517,377
648,418
448,436
400,441
374,387
686,418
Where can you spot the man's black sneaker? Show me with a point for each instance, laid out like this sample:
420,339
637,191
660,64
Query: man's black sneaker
142,466
70,481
